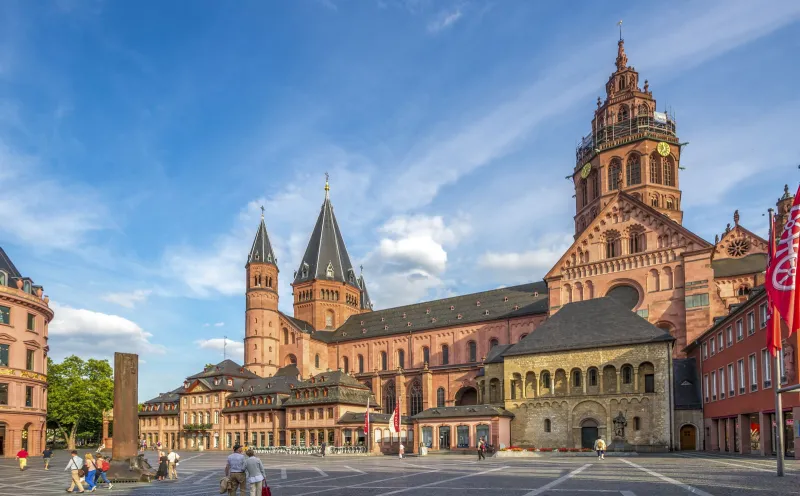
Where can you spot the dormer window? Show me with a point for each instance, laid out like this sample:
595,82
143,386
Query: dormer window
363,331
329,271
408,324
27,287
230,382
433,319
486,312
3,278
427,311
382,319
386,328
304,271
459,316
362,322
505,298
478,303
516,307
404,315
452,307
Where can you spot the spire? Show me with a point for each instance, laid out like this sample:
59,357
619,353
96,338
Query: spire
261,252
622,59
326,256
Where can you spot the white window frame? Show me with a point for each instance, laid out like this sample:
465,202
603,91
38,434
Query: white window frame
722,383
713,346
753,372
742,376
713,385
705,387
763,311
751,323
766,368
720,342
731,381
729,335
739,330
705,351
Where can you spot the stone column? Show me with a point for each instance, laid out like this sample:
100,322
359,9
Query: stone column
585,373
618,375
126,396
536,379
105,429
765,431
636,379
427,389
377,388
744,434
400,390
275,438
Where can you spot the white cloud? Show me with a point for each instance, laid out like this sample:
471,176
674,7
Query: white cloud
529,263
89,333
418,242
129,299
232,349
444,20
219,324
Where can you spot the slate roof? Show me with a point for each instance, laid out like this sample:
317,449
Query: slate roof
300,324
341,389
515,301
261,251
598,322
374,418
326,248
749,264
224,368
366,302
172,397
463,411
496,353
12,274
686,384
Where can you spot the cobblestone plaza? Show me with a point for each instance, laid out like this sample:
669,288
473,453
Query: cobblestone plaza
657,475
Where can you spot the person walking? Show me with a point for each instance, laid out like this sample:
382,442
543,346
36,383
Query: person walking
163,464
22,456
600,448
323,446
91,471
401,451
481,450
47,454
102,468
75,466
234,469
256,475
173,459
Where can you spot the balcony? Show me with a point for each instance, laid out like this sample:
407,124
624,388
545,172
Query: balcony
626,131
197,427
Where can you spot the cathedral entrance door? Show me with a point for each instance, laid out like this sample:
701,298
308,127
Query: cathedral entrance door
688,437
589,434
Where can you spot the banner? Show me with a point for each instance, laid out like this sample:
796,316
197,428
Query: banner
366,419
660,117
781,280
394,421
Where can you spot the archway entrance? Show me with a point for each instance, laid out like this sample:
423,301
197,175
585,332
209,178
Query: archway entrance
2,439
589,433
688,437
467,396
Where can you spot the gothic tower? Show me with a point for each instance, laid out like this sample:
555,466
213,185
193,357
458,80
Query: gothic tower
261,318
782,214
632,148
326,288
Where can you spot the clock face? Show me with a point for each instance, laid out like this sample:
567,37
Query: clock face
663,149
586,170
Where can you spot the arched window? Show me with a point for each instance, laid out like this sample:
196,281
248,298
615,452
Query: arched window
592,378
415,399
627,374
546,380
445,354
329,322
547,425
316,360
401,359
595,181
576,378
667,279
346,365
743,291
584,192
670,204
644,110
384,361
360,364
389,397
285,336
329,270
652,281
624,113
472,350
654,200
634,170
614,169
613,248
637,423
426,355
636,241
655,168
440,397
492,343
669,172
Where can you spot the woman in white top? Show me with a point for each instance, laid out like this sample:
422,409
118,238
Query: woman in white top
254,471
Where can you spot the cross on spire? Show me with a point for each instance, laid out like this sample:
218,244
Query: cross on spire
327,187
620,29
262,211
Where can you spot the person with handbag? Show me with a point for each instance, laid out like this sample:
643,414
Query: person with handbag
75,467
234,471
90,470
256,475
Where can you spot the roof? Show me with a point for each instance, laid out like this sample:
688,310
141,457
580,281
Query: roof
598,322
7,266
496,353
224,368
261,252
749,264
686,384
503,303
463,411
300,324
374,418
340,387
172,397
326,255
366,302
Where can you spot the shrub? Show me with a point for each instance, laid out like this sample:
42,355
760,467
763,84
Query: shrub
546,450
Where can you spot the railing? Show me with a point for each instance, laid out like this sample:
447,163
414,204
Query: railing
623,131
309,450
197,427
348,450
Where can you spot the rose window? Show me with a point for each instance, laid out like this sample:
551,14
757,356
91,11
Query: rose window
738,247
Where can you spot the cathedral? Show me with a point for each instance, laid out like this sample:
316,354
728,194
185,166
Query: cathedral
596,348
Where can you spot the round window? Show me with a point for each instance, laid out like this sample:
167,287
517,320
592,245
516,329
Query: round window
626,295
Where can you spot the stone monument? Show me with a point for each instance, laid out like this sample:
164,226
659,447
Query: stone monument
126,462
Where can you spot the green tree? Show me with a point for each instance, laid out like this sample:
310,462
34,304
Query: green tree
78,393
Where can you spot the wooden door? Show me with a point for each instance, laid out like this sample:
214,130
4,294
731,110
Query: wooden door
688,437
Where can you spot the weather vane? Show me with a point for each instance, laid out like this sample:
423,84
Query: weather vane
262,211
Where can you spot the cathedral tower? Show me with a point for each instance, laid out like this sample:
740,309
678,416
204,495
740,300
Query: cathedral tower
326,288
631,148
261,324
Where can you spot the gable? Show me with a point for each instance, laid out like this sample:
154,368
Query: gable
738,243
622,217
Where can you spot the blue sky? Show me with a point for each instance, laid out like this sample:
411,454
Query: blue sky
138,140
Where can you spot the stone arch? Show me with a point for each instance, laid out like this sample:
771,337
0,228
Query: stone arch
516,386
609,379
690,442
530,385
653,282
290,360
495,392
467,395
560,382
545,382
646,369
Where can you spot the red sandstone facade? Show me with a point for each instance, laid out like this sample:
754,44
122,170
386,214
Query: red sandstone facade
24,318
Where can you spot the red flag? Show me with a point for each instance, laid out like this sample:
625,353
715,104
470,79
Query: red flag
781,281
774,325
394,421
366,419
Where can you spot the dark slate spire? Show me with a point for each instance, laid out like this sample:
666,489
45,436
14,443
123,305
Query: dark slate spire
261,252
326,256
366,303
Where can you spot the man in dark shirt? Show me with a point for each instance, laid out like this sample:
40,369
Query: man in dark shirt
47,454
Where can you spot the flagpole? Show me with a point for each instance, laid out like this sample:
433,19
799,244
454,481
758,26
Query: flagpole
777,375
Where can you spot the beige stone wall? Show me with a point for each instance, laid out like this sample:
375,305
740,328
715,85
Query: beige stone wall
568,408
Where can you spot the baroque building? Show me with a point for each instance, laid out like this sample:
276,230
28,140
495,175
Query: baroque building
24,318
596,348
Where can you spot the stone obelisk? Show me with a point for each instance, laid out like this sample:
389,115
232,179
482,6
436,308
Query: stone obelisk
127,464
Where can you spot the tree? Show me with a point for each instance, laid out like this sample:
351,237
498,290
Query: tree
78,393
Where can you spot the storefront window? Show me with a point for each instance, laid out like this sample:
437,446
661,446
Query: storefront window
462,431
427,437
481,432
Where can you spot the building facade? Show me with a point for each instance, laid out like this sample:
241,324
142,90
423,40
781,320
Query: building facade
24,318
467,367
